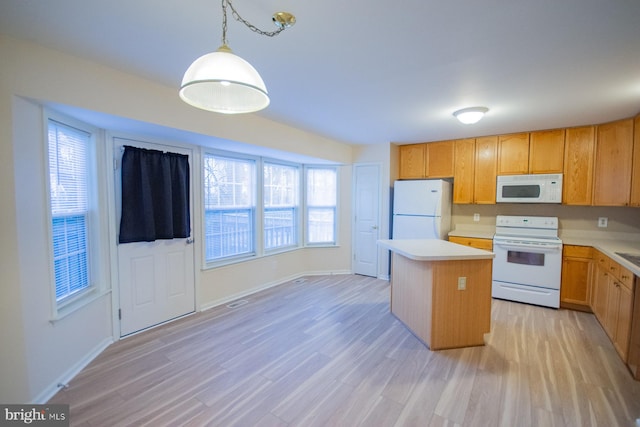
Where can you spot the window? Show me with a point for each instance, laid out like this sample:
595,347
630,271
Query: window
248,214
68,149
281,200
322,198
229,207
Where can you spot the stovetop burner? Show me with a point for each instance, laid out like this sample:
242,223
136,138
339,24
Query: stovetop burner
632,258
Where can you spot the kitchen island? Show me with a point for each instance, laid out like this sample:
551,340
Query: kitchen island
441,291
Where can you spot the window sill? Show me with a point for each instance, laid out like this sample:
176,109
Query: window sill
77,304
321,245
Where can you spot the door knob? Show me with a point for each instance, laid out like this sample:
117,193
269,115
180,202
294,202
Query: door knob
189,240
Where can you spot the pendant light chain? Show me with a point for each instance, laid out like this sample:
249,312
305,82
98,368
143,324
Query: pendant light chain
224,22
239,18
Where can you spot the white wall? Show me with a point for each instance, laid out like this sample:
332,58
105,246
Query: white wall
36,353
51,357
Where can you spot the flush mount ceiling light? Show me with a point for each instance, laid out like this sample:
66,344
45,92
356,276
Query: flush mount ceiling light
225,83
470,115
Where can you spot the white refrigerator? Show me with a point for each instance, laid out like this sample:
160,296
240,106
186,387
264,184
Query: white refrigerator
421,209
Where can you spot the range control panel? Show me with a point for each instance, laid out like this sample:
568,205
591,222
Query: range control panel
543,222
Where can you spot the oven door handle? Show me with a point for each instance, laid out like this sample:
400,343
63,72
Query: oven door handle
539,248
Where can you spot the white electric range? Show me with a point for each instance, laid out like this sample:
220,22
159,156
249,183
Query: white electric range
528,260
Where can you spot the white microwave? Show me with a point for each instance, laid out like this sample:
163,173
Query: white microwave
543,188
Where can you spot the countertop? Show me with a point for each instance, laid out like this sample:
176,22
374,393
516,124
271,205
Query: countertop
434,250
608,245
606,242
478,232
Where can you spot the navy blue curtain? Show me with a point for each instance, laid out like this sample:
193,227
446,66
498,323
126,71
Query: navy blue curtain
155,195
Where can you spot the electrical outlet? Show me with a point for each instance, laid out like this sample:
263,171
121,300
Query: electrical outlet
462,283
476,217
602,221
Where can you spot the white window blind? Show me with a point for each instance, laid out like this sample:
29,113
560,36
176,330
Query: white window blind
281,204
68,178
229,205
322,199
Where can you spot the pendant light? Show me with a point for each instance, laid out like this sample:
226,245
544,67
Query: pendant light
223,82
470,115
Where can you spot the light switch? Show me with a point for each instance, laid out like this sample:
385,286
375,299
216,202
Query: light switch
462,283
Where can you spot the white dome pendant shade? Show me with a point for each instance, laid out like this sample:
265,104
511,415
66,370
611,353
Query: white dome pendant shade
224,83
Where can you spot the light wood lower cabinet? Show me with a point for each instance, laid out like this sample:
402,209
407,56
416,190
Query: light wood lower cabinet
474,242
426,297
612,301
633,358
575,289
600,286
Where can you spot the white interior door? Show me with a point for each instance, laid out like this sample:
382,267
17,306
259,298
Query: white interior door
156,279
366,220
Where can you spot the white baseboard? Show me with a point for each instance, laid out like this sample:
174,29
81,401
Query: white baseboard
46,394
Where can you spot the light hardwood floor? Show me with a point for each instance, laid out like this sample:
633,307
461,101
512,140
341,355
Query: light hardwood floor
327,352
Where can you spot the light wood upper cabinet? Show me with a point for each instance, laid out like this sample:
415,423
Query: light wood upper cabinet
440,159
412,161
614,149
635,173
579,154
513,154
463,174
546,151
485,170
600,164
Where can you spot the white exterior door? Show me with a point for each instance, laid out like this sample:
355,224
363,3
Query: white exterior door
366,219
156,279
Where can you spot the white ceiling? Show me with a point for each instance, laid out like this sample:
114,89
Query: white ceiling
366,72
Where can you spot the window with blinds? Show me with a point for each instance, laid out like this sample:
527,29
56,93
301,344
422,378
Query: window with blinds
68,159
229,207
322,197
281,204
